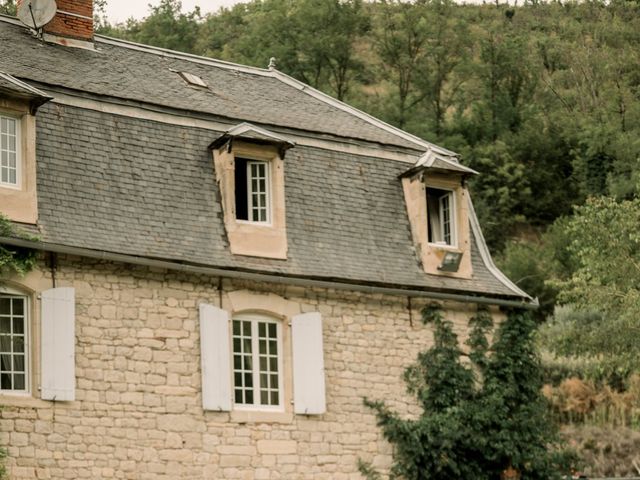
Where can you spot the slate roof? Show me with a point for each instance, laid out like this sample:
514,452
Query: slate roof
346,216
237,93
139,187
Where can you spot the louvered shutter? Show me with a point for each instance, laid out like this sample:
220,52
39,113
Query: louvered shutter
58,373
215,358
308,364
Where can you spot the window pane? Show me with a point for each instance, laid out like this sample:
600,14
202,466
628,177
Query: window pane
246,328
5,306
248,380
5,325
18,380
273,364
273,347
5,363
18,325
237,362
5,343
272,330
238,396
264,397
18,344
275,397
274,380
5,381
236,327
248,364
247,345
263,363
18,306
236,345
264,380
12,176
262,328
18,363
248,396
11,126
237,379
263,347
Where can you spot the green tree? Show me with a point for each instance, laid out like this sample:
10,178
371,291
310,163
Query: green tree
166,26
8,7
479,417
606,283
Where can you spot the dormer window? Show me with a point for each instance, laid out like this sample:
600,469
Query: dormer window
441,213
252,190
438,210
10,161
249,165
19,103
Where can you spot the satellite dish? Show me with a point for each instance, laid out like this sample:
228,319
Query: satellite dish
36,13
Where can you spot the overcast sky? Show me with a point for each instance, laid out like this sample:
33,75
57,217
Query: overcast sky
120,10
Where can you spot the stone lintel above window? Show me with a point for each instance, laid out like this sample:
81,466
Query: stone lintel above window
249,165
437,205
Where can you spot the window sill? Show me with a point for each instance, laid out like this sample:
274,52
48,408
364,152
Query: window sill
254,416
23,400
448,248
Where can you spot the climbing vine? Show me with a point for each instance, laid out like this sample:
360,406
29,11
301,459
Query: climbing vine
14,259
482,418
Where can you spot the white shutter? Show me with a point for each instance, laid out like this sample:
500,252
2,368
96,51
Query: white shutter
215,358
308,364
58,340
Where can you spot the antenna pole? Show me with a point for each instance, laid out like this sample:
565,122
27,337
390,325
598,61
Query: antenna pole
32,17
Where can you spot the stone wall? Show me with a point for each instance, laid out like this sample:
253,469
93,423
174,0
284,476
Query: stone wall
138,413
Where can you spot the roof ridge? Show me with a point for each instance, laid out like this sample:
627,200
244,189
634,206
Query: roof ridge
165,52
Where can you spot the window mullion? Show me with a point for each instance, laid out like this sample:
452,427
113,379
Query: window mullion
255,363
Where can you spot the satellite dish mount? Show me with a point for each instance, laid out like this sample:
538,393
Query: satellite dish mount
37,13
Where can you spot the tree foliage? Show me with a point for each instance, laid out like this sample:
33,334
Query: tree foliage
604,289
479,417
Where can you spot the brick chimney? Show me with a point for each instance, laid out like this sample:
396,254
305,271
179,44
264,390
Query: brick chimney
73,22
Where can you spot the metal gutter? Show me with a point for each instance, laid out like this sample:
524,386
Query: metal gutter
265,277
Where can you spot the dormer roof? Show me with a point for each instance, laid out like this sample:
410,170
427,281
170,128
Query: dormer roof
16,88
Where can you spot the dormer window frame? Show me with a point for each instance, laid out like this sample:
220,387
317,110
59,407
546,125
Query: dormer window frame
5,166
433,256
251,208
265,237
450,195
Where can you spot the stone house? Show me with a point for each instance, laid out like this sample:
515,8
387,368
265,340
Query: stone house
230,261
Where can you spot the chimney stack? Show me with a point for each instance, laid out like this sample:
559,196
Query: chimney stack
73,22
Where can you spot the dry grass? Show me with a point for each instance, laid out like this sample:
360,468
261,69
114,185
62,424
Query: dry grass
605,451
576,401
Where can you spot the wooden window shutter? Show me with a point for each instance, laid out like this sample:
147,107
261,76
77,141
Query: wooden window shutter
58,340
215,358
308,364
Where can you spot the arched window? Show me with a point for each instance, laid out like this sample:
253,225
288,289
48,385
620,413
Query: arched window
14,342
257,362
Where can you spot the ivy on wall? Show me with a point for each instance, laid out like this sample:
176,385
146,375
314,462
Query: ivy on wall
483,417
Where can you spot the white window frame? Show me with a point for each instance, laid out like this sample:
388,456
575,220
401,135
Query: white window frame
255,361
11,293
453,217
250,206
18,184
